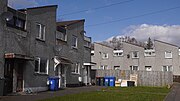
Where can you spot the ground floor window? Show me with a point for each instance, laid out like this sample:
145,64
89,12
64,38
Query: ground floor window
134,68
41,65
75,68
116,67
167,68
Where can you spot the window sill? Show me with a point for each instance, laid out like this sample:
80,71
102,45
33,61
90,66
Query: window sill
72,47
135,57
75,73
39,39
43,74
168,57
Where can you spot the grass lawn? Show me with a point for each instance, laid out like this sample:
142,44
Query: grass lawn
118,94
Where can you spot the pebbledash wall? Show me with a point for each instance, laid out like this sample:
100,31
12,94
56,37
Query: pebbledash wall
163,57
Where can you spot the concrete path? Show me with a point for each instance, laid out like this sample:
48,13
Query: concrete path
50,94
174,94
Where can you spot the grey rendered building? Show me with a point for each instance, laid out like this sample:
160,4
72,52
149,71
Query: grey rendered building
31,50
27,41
73,53
163,57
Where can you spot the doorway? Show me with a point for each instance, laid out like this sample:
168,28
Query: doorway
61,73
13,72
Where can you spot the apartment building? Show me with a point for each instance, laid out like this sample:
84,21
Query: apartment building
162,57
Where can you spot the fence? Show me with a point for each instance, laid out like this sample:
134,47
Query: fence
144,78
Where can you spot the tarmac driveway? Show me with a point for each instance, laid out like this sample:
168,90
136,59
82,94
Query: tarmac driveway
50,94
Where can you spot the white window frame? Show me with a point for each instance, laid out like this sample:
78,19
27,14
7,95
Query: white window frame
149,53
74,45
166,54
118,53
105,56
116,67
76,68
39,66
133,55
167,67
41,31
133,68
148,68
104,67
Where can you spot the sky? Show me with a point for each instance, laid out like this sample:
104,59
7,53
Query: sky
158,19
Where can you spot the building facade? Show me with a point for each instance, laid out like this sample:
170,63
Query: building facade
31,50
74,48
162,57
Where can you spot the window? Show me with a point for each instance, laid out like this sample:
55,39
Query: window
118,52
149,53
168,54
61,36
41,65
76,68
92,52
40,31
148,68
74,41
179,51
103,67
105,55
87,44
116,67
167,68
135,54
20,23
17,23
134,68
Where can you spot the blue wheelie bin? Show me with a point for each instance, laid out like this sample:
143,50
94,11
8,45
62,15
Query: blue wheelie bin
53,83
112,81
106,81
109,81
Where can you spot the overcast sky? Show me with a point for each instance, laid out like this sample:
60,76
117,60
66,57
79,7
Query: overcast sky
119,17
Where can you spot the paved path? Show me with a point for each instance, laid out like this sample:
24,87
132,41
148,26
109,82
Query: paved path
50,94
174,94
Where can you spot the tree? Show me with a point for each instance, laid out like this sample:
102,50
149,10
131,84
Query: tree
149,44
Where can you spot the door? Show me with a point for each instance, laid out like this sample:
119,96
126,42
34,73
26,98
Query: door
61,73
8,74
19,87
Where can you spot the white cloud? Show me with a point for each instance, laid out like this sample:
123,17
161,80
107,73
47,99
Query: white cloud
22,3
166,33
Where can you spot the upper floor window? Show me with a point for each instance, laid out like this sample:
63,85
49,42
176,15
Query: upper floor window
92,52
76,68
148,68
40,31
105,55
74,41
168,54
135,54
167,68
17,23
41,65
118,52
61,36
149,53
87,44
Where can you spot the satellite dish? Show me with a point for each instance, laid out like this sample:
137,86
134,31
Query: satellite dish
83,32
7,16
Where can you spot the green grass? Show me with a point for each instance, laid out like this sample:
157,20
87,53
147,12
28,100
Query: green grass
118,94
